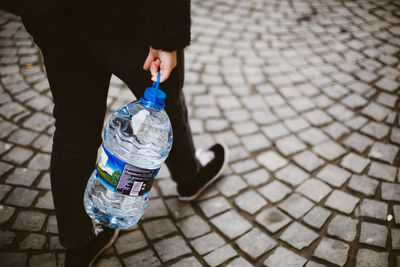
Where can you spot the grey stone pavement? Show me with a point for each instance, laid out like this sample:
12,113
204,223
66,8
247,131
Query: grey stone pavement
306,95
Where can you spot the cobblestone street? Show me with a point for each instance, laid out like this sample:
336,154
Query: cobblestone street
305,94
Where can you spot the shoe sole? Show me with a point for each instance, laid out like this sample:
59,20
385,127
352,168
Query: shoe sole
109,244
217,176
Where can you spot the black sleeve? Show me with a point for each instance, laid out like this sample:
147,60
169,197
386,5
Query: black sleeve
167,23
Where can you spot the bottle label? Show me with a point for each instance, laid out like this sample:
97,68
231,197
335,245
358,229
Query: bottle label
123,177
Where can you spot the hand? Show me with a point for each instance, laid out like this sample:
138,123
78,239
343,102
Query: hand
160,60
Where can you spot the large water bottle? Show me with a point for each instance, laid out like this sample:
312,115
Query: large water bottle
137,140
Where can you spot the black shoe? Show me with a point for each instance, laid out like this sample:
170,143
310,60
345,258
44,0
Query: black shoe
86,255
214,162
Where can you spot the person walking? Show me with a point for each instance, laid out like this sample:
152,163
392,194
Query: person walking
83,43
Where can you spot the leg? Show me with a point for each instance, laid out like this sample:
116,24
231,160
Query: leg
79,85
127,65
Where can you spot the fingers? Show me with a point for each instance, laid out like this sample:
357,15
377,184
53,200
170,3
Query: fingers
160,60
147,63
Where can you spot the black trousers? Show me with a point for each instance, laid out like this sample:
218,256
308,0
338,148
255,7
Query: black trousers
79,75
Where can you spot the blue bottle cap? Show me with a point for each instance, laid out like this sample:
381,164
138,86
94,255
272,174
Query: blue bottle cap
153,96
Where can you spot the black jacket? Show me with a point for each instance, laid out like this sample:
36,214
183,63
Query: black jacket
165,24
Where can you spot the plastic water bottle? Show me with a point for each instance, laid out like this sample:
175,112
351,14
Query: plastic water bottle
137,140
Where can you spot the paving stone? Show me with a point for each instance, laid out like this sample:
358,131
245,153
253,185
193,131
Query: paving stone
314,264
227,137
296,205
395,234
284,257
274,191
130,241
255,142
33,241
329,150
373,234
396,211
289,145
340,112
5,213
231,185
236,227
271,160
335,130
220,255
272,219
263,117
334,175
332,250
354,101
38,122
29,221
382,171
292,174
45,260
298,236
366,257
22,197
244,166
343,227
317,117
376,130
52,225
22,137
395,135
385,152
6,238
375,111
109,262
257,177
159,228
18,155
187,262
22,176
387,84
373,209
390,191
358,142
275,131
207,243
255,243
335,91
178,208
342,202
250,202
386,99
301,104
45,202
314,189
4,189
214,206
363,184
296,124
317,217
354,162
40,162
239,262
55,244
146,258
193,226
156,208
308,160
171,248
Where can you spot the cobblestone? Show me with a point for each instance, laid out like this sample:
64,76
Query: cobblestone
236,227
306,106
255,243
373,234
342,202
366,257
333,251
284,257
